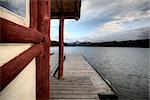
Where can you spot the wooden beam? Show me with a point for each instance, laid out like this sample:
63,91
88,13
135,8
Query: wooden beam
58,5
13,33
79,8
33,14
67,15
11,69
42,60
60,8
61,48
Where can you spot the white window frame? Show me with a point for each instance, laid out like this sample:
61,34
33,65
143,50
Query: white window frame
11,16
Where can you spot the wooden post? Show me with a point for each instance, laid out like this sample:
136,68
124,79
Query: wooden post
42,60
61,48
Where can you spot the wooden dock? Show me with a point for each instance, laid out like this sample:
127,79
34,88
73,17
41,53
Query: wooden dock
53,63
80,82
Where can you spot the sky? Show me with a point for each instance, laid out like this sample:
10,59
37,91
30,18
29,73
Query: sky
107,20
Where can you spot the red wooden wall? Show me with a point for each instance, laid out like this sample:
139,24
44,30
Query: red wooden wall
39,34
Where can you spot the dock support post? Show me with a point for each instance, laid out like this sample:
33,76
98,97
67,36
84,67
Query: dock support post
61,48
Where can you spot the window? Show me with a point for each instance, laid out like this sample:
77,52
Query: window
16,11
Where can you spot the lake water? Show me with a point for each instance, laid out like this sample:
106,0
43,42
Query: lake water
126,68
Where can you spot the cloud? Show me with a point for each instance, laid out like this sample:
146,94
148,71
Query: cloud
144,33
112,26
54,30
102,31
94,9
123,16
68,37
105,20
140,33
122,9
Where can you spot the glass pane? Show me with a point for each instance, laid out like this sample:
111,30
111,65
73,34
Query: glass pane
16,6
16,11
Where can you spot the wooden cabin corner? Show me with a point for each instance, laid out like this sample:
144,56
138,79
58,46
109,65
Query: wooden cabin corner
25,54
24,46
24,49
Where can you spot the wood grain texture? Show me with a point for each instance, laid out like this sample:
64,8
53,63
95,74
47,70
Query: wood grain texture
11,69
13,33
39,34
61,48
42,61
33,14
80,81
70,9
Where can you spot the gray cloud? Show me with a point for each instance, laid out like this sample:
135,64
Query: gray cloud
126,19
140,33
144,33
116,9
113,20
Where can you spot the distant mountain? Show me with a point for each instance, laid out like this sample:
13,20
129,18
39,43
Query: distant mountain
130,43
136,34
131,38
56,43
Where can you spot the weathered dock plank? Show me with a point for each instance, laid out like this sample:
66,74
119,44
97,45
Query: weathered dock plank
53,63
80,81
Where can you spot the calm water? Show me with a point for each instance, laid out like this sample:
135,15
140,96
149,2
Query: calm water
126,68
